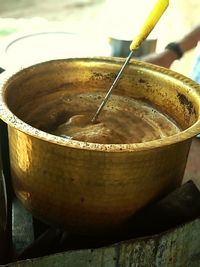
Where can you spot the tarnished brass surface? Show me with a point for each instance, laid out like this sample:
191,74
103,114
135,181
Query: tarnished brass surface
84,186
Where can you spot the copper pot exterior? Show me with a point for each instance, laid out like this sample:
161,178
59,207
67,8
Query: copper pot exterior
91,187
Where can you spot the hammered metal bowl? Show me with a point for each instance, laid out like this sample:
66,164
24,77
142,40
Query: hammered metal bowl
87,187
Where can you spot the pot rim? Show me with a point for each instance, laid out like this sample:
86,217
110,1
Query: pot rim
12,120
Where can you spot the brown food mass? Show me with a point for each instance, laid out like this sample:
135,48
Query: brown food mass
122,122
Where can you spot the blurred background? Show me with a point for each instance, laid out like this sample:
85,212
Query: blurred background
34,31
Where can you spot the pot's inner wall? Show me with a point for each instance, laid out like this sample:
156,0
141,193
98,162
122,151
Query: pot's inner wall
36,94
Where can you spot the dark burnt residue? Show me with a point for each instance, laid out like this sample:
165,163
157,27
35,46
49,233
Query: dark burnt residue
142,80
99,76
185,102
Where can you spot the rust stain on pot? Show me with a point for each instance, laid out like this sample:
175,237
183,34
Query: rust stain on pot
185,102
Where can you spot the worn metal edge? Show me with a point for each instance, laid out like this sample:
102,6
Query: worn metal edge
176,247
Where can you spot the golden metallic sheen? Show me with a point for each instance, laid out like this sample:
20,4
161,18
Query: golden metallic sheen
89,187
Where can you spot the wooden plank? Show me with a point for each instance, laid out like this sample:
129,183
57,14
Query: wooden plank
178,207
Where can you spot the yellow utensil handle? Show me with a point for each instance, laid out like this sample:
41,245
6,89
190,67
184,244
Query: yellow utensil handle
154,16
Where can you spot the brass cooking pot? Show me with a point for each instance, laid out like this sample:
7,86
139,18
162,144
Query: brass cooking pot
86,186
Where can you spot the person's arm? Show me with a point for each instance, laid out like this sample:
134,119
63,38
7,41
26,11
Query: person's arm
190,40
168,56
164,59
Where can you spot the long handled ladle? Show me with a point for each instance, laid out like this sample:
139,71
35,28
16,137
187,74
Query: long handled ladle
155,14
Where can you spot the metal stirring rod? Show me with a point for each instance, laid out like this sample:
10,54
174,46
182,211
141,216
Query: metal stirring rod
112,87
155,14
